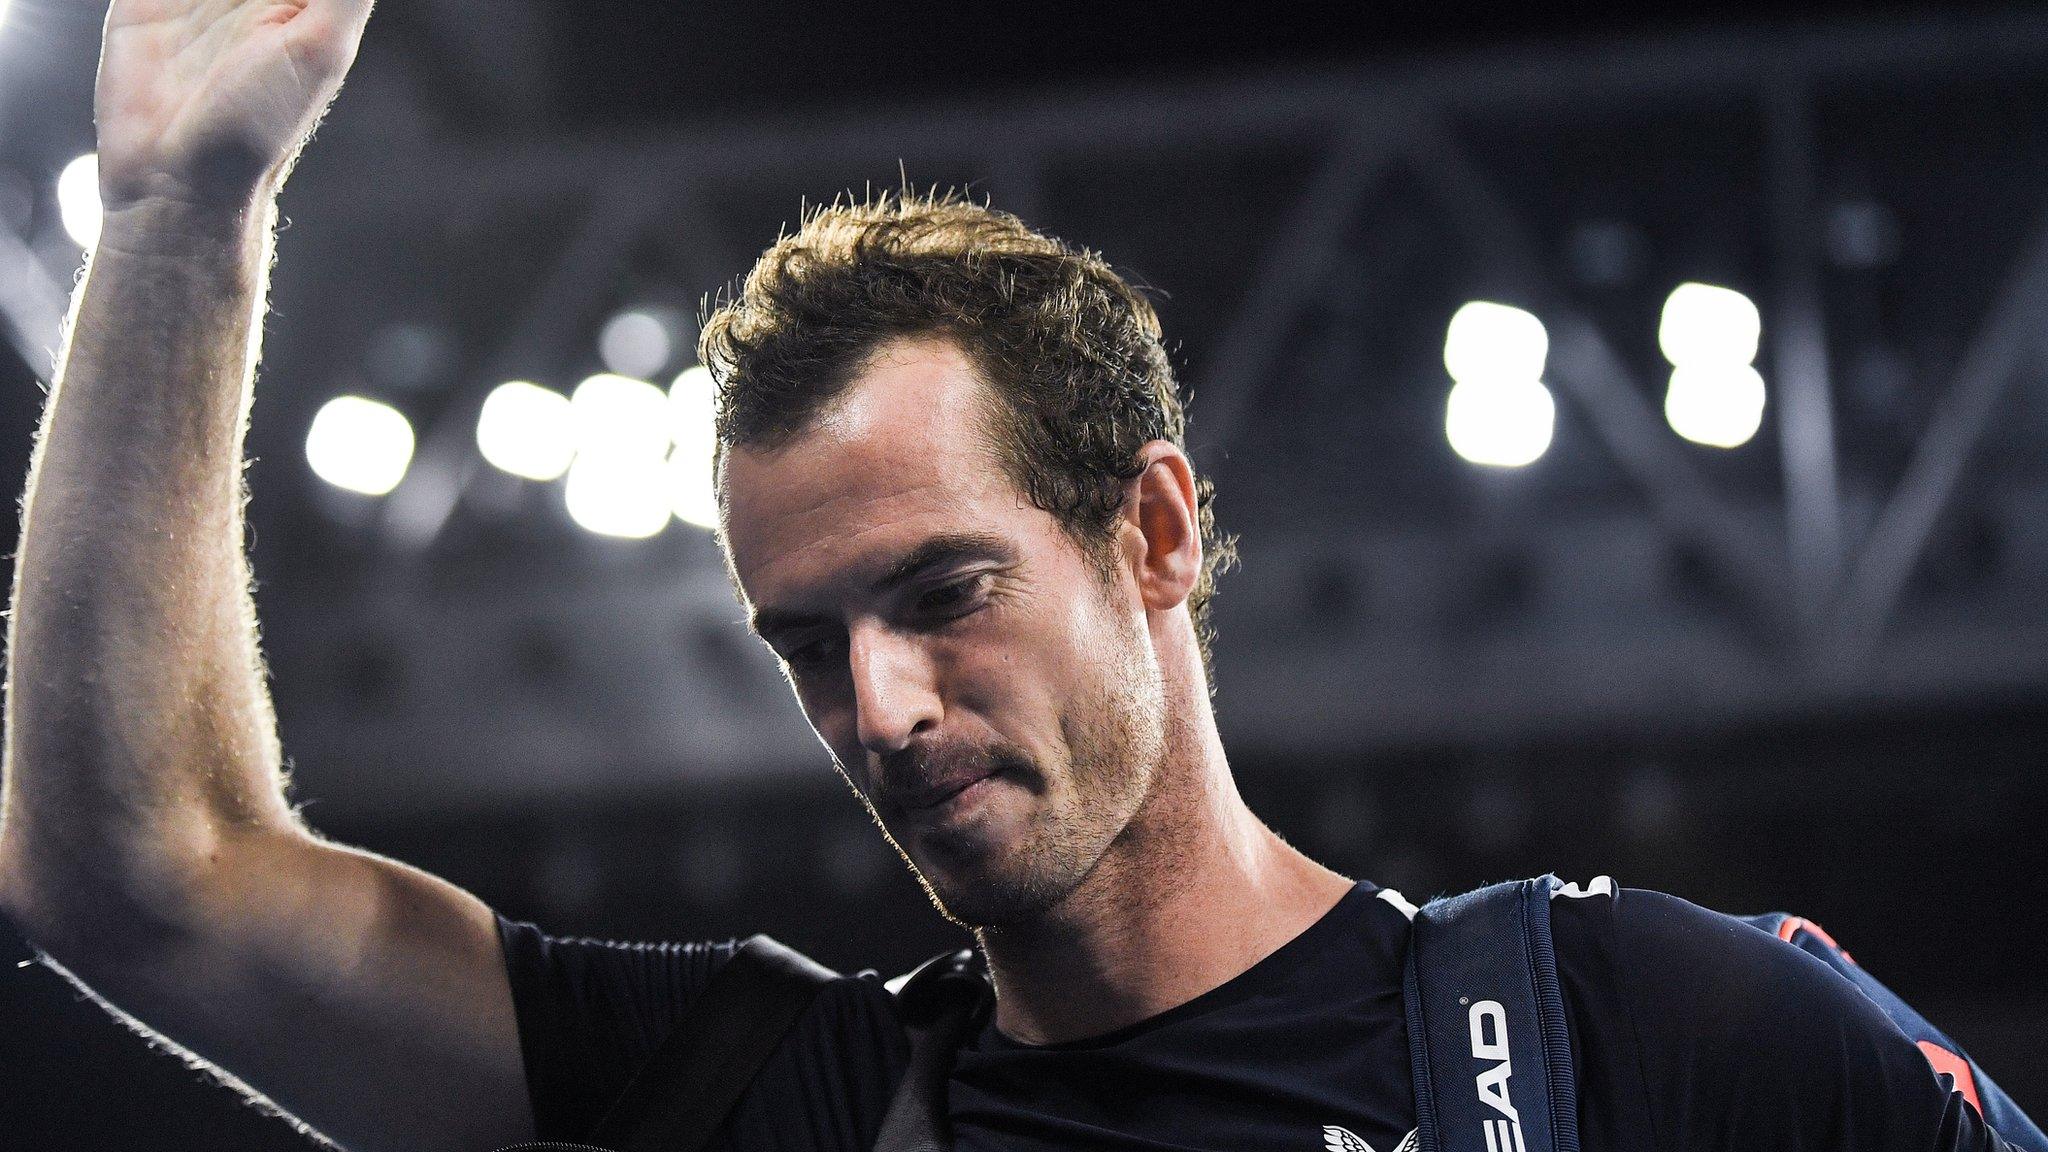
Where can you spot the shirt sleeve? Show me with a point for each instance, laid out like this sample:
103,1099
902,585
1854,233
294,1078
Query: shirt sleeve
1745,1041
591,1012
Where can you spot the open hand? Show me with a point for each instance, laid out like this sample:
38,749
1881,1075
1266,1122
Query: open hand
207,102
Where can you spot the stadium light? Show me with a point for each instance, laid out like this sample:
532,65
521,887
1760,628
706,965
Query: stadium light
1710,336
527,430
360,444
1501,425
636,343
1719,405
1498,413
3,13
1703,324
614,415
1487,343
624,496
619,483
690,405
78,199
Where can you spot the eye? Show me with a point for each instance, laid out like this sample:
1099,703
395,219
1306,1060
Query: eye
815,652
953,598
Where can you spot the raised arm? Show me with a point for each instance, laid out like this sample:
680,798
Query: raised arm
146,843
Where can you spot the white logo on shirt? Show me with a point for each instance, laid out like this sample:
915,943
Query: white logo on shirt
1337,1139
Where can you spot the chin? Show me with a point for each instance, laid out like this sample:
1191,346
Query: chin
978,907
991,889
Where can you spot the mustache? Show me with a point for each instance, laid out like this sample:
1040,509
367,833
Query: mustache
921,768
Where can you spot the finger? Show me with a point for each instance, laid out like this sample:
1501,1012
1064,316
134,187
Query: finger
327,34
350,14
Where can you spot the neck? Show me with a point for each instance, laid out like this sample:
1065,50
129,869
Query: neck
1194,892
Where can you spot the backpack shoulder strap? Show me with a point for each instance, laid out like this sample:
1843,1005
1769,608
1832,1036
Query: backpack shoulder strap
681,1095
940,1002
1487,1035
1945,1055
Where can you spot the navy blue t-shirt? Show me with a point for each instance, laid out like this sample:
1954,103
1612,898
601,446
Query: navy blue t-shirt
1688,1032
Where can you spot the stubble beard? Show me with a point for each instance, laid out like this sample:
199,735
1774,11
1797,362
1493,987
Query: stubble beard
1081,810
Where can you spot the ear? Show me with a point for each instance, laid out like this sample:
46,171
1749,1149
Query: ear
1161,534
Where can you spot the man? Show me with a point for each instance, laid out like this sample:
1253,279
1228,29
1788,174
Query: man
957,506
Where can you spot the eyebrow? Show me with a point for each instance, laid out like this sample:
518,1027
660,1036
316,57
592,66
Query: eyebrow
936,553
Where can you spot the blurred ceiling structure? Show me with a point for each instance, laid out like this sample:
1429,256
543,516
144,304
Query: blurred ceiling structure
1805,672
1309,226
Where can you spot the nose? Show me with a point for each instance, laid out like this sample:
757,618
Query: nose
895,689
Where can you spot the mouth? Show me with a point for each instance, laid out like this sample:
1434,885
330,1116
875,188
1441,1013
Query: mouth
938,797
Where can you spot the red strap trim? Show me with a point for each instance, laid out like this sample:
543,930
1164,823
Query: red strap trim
1941,1059
1944,1060
1793,924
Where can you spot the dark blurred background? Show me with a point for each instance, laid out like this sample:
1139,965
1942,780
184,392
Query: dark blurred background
1804,671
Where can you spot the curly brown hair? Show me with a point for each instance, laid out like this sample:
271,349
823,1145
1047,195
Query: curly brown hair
1069,349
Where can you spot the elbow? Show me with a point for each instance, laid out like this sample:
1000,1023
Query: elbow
72,920
101,854
11,907
16,905
91,903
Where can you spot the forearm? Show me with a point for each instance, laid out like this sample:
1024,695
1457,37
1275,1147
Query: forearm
139,737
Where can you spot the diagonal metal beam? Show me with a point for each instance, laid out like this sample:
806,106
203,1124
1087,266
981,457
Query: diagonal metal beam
2014,332
1594,375
1293,269
1799,355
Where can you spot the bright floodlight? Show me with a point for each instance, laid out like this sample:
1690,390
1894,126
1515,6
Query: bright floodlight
359,444
618,485
3,13
526,430
1719,405
625,496
635,343
1504,425
689,400
618,415
1489,343
1703,324
78,199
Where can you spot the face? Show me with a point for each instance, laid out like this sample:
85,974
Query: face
984,685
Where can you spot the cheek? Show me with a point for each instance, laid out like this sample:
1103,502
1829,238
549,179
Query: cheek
1027,671
996,673
1097,638
828,706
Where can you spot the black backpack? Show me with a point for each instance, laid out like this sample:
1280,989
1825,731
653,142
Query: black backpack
1484,1007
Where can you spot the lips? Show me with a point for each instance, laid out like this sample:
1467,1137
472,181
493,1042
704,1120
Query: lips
928,796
